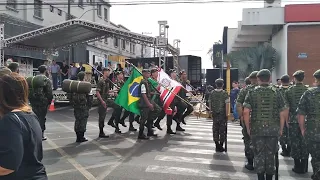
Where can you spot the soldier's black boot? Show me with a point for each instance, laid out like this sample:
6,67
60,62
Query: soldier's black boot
43,137
169,130
117,130
142,136
218,147
150,130
222,148
102,134
269,177
157,124
131,128
81,138
304,165
123,124
289,150
284,152
261,176
179,128
249,164
297,166
137,119
110,122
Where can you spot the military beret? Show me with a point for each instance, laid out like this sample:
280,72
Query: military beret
285,78
172,71
264,73
317,74
253,74
4,70
81,74
219,80
153,70
298,73
145,71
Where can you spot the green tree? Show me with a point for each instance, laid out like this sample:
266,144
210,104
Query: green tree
253,59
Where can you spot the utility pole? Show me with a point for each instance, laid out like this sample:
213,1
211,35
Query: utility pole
68,18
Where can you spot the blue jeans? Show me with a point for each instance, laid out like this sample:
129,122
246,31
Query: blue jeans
235,113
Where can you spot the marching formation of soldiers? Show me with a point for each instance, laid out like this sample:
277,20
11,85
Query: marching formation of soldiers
269,114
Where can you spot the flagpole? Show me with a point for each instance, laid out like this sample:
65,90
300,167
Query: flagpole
170,90
102,75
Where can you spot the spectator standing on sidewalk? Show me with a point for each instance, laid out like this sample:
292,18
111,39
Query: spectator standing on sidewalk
233,97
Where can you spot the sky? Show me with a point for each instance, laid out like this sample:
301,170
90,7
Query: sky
198,26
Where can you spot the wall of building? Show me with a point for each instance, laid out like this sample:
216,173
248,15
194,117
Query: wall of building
278,42
263,16
53,14
232,32
304,40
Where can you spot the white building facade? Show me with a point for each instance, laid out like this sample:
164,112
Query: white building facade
38,14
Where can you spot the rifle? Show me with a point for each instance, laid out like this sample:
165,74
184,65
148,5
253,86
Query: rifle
277,166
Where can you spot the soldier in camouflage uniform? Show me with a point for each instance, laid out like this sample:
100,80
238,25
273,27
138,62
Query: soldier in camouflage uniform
268,108
149,110
174,103
309,115
284,139
81,103
115,120
40,98
4,70
102,91
246,138
219,104
299,150
247,81
156,98
184,109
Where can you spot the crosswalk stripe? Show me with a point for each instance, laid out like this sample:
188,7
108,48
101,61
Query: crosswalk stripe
204,138
206,152
195,160
196,128
208,173
231,134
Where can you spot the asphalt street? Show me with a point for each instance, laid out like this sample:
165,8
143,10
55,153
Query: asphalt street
185,156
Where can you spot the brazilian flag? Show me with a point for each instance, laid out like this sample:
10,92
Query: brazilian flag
128,96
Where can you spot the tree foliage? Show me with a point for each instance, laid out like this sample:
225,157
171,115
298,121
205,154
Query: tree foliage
253,59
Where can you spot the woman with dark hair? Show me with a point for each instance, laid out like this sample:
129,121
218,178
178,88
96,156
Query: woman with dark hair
20,133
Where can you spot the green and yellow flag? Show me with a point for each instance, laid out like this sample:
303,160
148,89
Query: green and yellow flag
129,96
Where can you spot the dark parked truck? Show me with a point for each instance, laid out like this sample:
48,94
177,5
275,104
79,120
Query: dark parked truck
191,64
213,74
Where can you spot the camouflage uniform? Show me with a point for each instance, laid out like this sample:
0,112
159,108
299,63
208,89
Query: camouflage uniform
184,109
81,104
218,100
309,107
156,98
265,103
103,87
147,115
299,150
4,70
284,139
246,138
40,98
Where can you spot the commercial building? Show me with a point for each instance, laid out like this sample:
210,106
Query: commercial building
22,16
293,30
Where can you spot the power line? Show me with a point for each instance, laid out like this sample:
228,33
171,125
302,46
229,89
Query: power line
156,2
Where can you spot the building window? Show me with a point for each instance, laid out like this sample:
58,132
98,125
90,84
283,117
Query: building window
115,42
133,48
80,3
90,1
106,40
99,10
12,4
123,44
106,14
38,8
